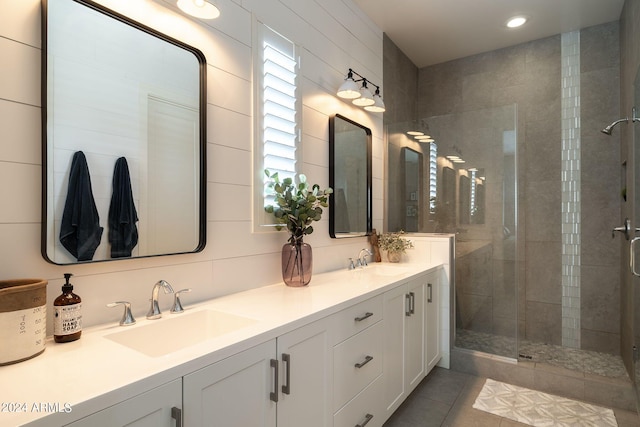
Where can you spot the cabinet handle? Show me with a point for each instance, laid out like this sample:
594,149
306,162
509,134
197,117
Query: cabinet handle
176,414
632,256
286,388
274,394
407,308
361,318
367,418
364,362
430,290
412,302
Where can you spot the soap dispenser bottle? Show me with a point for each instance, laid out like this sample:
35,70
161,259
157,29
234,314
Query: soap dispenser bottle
67,314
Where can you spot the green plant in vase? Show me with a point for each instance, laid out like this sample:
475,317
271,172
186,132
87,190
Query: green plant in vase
296,207
394,244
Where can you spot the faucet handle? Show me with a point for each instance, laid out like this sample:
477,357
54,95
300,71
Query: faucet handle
352,265
127,317
177,304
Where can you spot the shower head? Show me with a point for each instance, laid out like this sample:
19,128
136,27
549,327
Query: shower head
609,128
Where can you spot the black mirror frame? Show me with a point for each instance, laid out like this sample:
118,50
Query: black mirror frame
332,154
202,180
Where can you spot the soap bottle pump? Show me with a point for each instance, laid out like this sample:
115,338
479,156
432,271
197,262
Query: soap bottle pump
67,314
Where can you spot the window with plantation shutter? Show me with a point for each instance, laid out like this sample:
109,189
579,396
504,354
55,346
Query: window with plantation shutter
277,132
433,175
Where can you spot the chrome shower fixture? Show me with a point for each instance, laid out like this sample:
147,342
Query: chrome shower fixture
609,128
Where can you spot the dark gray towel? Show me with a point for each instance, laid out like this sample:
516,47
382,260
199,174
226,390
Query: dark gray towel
123,233
80,231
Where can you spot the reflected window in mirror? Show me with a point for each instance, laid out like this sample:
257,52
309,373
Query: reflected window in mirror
350,208
124,144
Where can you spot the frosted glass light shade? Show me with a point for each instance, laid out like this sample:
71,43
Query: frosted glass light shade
349,89
378,106
199,8
366,98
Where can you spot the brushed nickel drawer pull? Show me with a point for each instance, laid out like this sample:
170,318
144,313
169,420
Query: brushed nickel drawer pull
367,418
430,289
176,414
361,318
286,388
412,303
407,305
364,362
274,394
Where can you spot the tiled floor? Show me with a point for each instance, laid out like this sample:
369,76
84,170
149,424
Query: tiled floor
445,398
591,362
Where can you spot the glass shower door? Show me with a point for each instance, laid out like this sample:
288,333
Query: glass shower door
456,173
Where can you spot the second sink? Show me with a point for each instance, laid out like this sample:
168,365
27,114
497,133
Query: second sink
165,336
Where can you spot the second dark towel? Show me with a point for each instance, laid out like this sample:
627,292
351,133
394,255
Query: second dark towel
123,233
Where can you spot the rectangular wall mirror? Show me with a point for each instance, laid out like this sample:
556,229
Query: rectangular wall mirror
126,106
350,177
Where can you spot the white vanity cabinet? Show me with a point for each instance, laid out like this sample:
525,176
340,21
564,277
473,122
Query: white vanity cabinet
404,338
433,350
284,382
358,355
159,407
321,367
233,392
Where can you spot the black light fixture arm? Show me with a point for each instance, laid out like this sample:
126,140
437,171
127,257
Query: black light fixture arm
362,79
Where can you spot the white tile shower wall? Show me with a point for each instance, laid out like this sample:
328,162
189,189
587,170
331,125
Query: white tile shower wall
333,35
570,43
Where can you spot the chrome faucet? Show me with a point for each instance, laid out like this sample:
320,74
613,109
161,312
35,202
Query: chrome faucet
154,311
362,257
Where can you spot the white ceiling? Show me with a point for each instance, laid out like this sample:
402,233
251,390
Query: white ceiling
434,31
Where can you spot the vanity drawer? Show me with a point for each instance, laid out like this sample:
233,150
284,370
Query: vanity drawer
368,405
356,362
357,318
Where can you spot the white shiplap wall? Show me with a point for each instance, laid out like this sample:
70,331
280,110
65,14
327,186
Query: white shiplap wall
333,34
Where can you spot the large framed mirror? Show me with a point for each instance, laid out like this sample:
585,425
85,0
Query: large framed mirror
124,144
350,177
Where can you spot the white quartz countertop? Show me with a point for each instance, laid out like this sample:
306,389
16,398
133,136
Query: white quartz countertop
72,380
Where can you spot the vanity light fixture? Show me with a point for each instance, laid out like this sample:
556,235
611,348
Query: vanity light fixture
199,8
366,98
360,94
516,21
378,105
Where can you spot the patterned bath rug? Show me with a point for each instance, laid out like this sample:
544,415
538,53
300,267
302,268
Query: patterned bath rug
540,409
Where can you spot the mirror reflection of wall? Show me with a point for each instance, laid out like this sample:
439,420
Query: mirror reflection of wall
135,94
350,209
464,156
413,184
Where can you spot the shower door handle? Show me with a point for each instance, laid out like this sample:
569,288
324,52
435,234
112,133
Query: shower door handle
632,256
625,229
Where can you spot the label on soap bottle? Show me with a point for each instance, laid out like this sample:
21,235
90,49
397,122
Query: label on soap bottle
67,319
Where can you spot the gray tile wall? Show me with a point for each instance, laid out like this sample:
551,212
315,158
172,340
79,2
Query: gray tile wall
629,65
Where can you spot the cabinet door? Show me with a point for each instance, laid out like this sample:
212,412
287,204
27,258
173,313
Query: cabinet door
233,392
395,310
415,336
150,409
432,319
305,367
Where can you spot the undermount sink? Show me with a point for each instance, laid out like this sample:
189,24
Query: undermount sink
177,331
385,269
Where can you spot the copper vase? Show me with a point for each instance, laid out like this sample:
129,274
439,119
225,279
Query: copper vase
297,263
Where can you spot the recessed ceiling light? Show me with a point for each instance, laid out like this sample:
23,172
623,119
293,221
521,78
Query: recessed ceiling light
516,21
